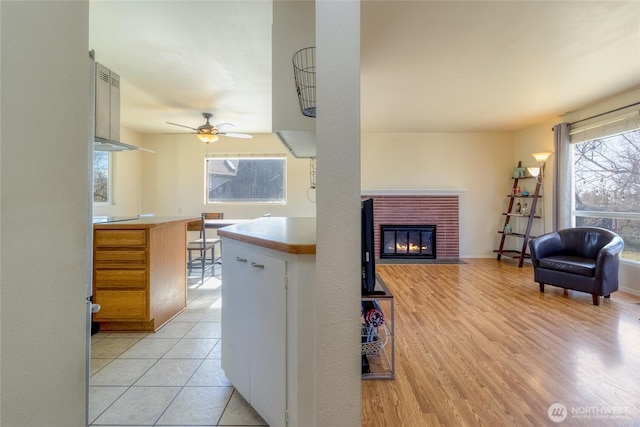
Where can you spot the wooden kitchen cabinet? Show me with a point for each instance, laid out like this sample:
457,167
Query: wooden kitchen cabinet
139,273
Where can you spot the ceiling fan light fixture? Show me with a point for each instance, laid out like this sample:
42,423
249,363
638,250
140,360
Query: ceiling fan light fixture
207,138
208,133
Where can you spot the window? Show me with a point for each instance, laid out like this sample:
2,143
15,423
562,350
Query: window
246,179
606,183
101,169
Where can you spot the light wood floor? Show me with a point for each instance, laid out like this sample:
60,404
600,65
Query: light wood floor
479,345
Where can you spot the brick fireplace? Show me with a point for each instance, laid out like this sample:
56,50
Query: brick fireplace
442,211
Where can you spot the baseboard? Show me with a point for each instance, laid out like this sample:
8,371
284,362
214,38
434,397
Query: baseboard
631,291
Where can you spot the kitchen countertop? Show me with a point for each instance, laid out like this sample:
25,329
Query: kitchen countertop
143,222
294,235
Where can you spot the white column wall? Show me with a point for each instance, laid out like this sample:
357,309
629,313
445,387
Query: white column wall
44,211
338,214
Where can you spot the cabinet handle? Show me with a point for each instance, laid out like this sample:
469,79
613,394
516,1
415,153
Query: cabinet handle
241,259
253,264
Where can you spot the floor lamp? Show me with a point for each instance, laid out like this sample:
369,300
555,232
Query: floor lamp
541,158
538,173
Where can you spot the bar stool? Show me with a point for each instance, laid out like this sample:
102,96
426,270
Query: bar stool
200,247
216,241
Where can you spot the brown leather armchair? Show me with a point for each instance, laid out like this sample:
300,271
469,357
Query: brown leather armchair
584,259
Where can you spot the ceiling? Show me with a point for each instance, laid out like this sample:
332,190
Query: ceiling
178,59
426,66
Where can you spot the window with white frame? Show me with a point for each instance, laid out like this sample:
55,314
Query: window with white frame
606,181
101,177
246,179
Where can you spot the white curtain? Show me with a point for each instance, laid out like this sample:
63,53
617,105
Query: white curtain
561,209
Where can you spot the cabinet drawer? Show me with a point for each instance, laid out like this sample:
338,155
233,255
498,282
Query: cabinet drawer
119,259
120,238
121,305
120,279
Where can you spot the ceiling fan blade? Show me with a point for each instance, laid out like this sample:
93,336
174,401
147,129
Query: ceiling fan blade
183,126
224,125
180,133
236,135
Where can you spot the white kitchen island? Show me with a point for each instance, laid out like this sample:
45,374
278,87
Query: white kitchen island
268,316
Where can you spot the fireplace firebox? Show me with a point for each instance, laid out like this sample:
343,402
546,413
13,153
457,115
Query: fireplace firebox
408,241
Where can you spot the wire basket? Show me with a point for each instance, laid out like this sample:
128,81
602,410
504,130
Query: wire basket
372,344
304,73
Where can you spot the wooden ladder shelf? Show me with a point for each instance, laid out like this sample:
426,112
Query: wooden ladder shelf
511,212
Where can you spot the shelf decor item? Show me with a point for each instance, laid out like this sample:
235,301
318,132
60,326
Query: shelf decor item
377,333
371,342
373,319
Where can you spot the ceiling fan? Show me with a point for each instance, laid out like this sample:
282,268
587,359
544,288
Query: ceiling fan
209,133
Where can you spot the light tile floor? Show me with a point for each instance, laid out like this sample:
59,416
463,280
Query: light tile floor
170,378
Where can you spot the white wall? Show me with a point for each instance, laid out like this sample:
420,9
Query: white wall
44,212
126,179
481,164
293,29
338,366
173,179
629,277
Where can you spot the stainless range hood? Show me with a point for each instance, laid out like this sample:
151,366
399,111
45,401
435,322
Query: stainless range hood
107,111
301,143
109,145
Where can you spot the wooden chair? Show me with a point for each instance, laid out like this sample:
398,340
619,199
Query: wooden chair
216,240
213,215
197,249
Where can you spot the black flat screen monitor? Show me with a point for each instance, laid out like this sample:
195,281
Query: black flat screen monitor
368,254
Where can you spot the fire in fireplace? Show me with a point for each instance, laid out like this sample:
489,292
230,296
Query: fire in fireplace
408,241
